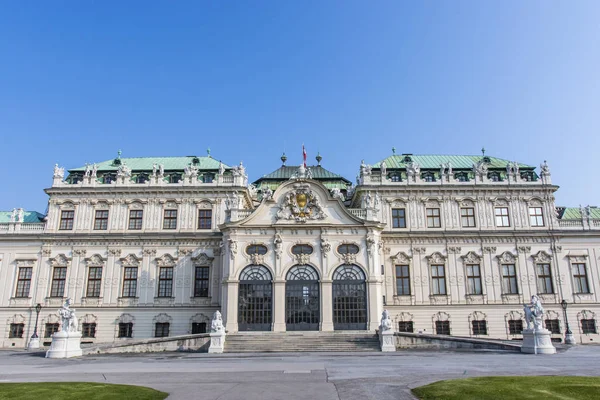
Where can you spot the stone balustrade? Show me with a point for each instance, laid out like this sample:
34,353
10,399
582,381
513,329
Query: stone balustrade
18,227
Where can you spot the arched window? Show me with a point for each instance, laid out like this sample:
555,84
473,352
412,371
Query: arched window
174,178
302,299
109,178
256,249
348,249
349,298
255,273
302,273
428,177
142,178
302,249
395,177
255,299
349,273
462,177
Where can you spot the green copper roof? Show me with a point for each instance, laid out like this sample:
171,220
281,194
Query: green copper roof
28,216
286,172
146,163
396,161
575,213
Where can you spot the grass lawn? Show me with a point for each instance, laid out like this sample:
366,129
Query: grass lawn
76,390
513,387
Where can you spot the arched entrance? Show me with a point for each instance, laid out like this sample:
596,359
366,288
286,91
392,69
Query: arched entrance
255,300
349,298
302,299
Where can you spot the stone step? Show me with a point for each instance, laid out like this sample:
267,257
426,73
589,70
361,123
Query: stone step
270,342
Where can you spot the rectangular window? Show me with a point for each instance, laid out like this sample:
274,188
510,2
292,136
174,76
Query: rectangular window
502,216
403,280
553,326
433,218
515,326
479,327
398,218
16,330
536,217
198,327
544,279
580,278
125,329
88,330
467,217
161,329
24,282
204,219
130,281
201,282
474,279
509,279
135,219
101,220
588,326
59,276
94,282
50,330
438,280
442,327
165,282
405,326
66,220
170,219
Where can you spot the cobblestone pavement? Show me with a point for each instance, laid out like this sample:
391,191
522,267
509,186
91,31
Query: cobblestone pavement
315,376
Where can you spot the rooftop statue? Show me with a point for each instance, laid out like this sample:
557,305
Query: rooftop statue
59,172
383,168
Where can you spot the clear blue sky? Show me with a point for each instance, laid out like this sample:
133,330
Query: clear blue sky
351,79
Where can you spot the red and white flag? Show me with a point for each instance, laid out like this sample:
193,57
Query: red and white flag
304,155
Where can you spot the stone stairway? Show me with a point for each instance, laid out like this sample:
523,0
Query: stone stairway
276,342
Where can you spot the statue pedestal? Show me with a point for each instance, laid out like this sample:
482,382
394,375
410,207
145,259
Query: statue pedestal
387,340
217,342
34,344
65,345
570,339
537,342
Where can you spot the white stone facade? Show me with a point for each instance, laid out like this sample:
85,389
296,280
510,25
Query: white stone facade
466,274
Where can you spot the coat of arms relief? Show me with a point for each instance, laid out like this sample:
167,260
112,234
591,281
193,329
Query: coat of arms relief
300,205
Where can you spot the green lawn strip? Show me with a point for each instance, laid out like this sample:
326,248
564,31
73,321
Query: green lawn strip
513,387
76,391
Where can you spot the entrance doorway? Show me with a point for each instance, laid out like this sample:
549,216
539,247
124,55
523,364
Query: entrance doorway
255,300
302,299
349,298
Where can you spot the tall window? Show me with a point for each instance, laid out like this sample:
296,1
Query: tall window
125,329
161,329
94,282
433,218
59,275
580,278
467,217
553,326
536,217
502,216
405,326
509,279
88,330
403,280
442,327
130,281
16,330
201,282
588,326
135,219
479,327
165,282
438,279
474,279
204,219
23,282
101,220
515,326
544,279
170,219
66,220
398,218
50,330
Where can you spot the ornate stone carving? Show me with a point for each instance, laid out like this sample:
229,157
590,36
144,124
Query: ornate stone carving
524,249
325,246
454,250
232,248
114,252
541,257
436,258
471,258
534,313
401,258
202,259
257,259
348,258
79,252
216,324
130,261
278,243
95,261
60,261
489,249
300,204
166,260
68,318
149,252
507,258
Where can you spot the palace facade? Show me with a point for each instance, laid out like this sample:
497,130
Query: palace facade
151,247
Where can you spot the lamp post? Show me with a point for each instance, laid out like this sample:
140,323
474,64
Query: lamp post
569,339
34,342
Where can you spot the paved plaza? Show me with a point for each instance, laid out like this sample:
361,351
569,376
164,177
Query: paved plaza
314,376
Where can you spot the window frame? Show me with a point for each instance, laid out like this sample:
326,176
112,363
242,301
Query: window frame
404,278
94,283
536,216
67,218
433,218
544,278
56,289
204,218
580,278
125,330
170,219
406,326
159,327
470,218
553,323
55,327
514,330
445,327
129,282
165,283
201,281
585,327
438,281
473,277
136,220
23,287
196,328
510,279
16,330
398,221
479,327
101,220
88,330
504,219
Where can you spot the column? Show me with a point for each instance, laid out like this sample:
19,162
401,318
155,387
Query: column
375,305
230,305
279,306
326,305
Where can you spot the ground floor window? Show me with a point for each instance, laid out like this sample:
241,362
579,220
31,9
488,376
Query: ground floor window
88,330
51,329
198,327
479,327
161,329
442,327
553,326
405,326
515,326
125,329
588,326
16,330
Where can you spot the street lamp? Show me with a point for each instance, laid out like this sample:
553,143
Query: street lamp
34,342
569,339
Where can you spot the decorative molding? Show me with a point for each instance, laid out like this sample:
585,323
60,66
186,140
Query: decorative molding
541,257
436,258
114,252
401,258
524,249
489,249
202,259
507,258
79,252
454,250
166,260
95,261
131,260
471,258
149,252
300,205
60,261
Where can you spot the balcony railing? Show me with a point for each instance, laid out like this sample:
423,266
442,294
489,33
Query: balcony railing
18,227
